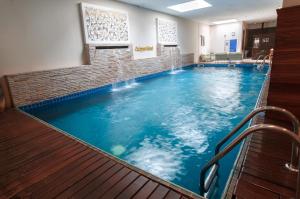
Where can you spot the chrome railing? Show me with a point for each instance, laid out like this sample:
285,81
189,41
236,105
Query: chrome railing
206,183
265,58
261,66
295,153
258,58
231,65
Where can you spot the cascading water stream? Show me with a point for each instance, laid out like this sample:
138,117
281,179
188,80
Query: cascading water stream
175,61
179,60
122,81
171,57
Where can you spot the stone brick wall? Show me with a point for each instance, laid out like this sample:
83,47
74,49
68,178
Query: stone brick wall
106,66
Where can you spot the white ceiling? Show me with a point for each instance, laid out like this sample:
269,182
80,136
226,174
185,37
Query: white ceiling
242,10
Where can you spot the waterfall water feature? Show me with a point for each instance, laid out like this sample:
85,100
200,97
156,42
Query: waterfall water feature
176,61
171,59
122,81
180,60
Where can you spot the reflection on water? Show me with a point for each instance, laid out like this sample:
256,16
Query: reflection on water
176,71
126,86
159,157
223,92
184,126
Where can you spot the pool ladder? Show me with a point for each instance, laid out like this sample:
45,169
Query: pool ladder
258,58
208,183
230,64
261,65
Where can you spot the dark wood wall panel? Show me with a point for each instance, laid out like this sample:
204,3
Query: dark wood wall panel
286,56
285,75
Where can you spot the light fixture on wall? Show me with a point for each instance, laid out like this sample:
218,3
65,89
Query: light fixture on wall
225,21
190,5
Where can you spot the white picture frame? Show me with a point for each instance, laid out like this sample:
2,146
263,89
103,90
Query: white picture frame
166,31
119,37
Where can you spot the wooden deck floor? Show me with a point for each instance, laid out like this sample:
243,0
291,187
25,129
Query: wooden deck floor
36,161
39,162
263,174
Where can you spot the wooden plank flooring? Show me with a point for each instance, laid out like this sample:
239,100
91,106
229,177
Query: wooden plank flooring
263,173
36,161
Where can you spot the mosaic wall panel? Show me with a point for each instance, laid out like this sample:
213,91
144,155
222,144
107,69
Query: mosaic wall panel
166,31
104,25
105,69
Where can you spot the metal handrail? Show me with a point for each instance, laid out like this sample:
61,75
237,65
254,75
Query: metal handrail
231,65
258,58
258,129
265,58
261,66
229,60
291,116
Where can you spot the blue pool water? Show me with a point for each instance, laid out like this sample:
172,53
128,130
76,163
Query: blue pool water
167,125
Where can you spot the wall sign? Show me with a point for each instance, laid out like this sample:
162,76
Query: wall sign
143,48
104,25
143,51
166,32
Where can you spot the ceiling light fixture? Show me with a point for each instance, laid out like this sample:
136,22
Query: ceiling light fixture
225,21
191,5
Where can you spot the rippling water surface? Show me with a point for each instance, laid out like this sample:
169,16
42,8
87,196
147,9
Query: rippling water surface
168,125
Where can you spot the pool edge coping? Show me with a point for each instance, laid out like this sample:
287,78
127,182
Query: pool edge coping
237,167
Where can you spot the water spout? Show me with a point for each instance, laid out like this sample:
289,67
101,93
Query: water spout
122,81
175,61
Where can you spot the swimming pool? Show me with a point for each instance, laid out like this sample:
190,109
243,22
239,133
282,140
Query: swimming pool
167,125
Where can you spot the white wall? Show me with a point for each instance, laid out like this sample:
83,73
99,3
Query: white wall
205,31
220,33
47,34
290,3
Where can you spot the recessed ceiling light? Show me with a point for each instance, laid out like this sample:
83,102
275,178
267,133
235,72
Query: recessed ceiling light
225,21
191,5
